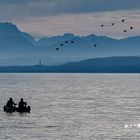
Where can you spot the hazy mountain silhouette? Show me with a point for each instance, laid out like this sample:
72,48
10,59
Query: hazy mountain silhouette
13,42
20,48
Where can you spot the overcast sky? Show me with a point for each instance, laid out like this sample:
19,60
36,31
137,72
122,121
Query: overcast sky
82,17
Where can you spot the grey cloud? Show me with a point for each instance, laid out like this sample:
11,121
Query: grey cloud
25,8
15,2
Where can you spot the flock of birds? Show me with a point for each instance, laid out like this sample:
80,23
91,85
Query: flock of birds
95,45
123,21
62,44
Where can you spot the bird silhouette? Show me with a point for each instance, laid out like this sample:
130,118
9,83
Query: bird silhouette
102,25
72,41
131,27
61,44
124,31
57,49
95,45
123,20
113,24
66,42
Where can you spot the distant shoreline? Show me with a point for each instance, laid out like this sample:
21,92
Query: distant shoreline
60,69
130,64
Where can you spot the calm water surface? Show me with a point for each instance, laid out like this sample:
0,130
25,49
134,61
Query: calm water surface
72,107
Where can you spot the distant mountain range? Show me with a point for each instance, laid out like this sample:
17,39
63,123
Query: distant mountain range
20,48
97,65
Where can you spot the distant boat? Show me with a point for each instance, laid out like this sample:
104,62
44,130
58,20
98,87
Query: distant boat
16,109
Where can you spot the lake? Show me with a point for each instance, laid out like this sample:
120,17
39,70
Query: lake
72,106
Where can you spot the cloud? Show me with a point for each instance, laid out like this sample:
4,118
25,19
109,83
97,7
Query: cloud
41,8
51,17
83,24
13,2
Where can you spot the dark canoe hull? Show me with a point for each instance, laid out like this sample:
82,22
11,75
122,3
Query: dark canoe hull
15,109
27,109
8,110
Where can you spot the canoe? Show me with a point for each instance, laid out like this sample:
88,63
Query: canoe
16,109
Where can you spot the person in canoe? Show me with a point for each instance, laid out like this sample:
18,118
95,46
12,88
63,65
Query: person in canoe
11,104
22,104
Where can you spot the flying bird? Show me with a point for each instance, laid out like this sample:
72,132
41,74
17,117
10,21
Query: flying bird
72,41
61,44
95,45
66,42
131,27
57,49
113,24
124,31
102,25
123,20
